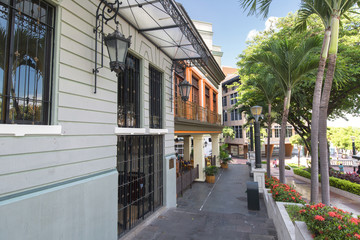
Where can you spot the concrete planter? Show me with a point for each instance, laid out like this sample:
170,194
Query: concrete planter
301,231
284,227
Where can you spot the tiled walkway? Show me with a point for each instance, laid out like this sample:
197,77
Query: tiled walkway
213,211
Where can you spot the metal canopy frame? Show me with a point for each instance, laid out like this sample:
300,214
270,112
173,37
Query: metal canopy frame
165,24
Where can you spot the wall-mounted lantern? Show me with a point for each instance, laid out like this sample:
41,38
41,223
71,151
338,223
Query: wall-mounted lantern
116,43
185,88
117,46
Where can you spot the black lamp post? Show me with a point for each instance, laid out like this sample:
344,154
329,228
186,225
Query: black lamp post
185,88
353,144
256,112
251,135
117,46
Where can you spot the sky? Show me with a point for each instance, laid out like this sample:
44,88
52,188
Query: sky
231,25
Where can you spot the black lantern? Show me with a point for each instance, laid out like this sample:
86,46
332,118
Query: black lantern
185,87
117,46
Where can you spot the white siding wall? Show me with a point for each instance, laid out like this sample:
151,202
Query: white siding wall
88,120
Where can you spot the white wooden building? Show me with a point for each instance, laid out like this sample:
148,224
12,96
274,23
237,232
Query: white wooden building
75,164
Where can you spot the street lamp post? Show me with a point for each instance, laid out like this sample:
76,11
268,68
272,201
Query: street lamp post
256,112
251,135
354,150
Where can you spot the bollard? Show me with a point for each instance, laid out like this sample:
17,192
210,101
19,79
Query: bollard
253,195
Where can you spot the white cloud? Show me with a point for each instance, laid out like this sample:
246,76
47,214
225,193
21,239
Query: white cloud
252,34
269,25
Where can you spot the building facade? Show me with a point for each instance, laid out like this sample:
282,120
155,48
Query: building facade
198,120
232,117
84,157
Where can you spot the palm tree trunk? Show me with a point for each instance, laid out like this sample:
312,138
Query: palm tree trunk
325,188
282,135
268,142
315,118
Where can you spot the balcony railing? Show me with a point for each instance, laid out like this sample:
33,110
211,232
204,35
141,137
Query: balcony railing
192,111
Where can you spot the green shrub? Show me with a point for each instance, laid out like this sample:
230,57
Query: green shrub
334,182
302,173
287,167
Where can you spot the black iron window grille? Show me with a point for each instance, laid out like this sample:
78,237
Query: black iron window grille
129,94
140,185
26,40
155,98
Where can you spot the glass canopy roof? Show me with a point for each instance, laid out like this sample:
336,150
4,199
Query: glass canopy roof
163,23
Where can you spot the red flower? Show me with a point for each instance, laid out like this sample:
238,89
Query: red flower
319,218
332,214
293,198
357,235
302,211
354,220
339,227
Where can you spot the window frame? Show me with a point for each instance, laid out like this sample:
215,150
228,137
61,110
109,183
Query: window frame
45,103
155,102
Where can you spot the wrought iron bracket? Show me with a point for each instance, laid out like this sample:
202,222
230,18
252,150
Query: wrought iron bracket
102,17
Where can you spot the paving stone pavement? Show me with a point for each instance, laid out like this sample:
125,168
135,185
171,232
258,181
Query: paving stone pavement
213,211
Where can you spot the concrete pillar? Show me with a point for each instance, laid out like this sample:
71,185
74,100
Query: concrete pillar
215,138
199,156
187,148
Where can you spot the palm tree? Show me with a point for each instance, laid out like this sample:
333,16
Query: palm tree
289,62
338,8
329,11
266,86
258,7
320,8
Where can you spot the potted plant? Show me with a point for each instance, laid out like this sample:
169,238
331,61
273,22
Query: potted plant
210,172
224,156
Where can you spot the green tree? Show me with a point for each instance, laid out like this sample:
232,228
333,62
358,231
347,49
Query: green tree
289,62
228,132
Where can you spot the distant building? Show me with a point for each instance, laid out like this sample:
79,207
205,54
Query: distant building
240,145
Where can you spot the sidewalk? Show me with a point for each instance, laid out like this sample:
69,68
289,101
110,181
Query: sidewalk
213,211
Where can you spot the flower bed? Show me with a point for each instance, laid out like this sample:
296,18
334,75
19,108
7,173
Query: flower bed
352,177
325,222
282,192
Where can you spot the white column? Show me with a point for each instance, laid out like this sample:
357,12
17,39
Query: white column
215,147
259,176
187,148
199,156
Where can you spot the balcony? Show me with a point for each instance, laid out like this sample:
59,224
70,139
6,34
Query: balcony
192,111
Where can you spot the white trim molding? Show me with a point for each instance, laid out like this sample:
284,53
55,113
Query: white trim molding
153,131
129,131
22,130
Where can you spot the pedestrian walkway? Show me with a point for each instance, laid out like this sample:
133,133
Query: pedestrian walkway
213,211
304,188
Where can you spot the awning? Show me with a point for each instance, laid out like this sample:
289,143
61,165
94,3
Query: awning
166,24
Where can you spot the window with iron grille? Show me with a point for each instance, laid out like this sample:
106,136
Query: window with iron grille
225,116
129,94
26,45
224,101
140,180
155,98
